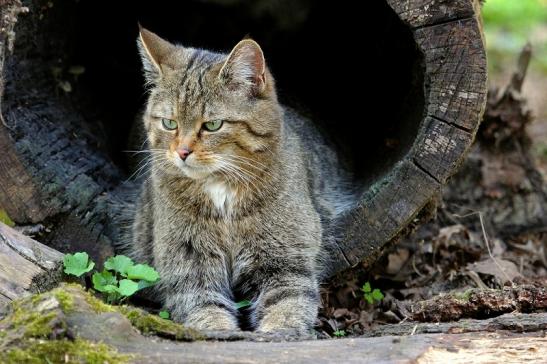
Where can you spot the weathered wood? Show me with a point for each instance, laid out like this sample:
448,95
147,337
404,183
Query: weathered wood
18,194
55,167
390,206
449,35
515,322
477,303
26,266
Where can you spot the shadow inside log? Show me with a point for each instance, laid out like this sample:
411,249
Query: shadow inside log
357,75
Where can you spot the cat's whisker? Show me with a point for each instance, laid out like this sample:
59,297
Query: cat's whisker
251,163
248,180
142,166
247,163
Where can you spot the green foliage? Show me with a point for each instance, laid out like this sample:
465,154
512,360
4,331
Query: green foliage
120,279
243,304
104,281
142,272
119,264
339,333
371,295
77,264
128,287
5,218
520,15
164,315
508,25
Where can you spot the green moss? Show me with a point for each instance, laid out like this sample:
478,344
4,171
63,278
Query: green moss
154,325
58,351
66,301
463,296
97,305
32,324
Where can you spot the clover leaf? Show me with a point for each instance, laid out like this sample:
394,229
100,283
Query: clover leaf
104,282
128,287
371,295
77,264
144,272
119,263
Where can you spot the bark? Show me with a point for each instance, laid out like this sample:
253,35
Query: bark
26,266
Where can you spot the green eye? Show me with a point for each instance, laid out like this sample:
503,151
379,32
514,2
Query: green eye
213,125
169,124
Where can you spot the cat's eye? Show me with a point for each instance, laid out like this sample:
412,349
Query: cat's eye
213,125
169,124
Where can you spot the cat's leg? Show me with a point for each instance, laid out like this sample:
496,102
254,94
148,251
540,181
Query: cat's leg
287,303
198,294
202,310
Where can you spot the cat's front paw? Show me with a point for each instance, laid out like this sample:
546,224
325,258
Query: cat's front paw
211,318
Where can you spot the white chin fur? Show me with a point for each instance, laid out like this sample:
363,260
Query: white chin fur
191,171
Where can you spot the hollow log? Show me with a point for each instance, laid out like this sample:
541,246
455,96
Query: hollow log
71,86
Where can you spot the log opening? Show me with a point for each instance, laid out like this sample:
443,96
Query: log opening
363,81
400,88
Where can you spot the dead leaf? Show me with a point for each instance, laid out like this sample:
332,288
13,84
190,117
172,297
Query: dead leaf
396,260
488,266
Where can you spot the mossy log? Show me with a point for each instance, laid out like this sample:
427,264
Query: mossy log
68,321
62,131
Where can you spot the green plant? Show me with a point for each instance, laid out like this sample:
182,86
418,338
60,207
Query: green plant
120,278
243,304
339,333
77,264
164,315
371,295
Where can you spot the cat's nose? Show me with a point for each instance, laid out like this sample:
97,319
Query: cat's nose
184,152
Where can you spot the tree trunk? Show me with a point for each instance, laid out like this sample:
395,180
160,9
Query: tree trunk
62,131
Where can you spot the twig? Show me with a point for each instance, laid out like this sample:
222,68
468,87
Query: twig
522,67
486,242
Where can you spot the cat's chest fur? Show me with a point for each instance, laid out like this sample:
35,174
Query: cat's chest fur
221,195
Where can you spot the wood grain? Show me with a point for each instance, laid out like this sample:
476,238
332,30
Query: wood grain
26,266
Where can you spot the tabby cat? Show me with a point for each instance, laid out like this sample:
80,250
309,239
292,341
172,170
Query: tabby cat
236,203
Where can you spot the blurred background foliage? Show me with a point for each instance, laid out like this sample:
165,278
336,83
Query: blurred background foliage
509,24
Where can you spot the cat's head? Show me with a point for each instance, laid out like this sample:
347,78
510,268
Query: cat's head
209,113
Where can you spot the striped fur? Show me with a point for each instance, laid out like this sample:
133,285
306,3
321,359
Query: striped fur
244,216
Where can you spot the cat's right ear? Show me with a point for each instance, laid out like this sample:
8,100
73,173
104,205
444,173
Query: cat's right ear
154,53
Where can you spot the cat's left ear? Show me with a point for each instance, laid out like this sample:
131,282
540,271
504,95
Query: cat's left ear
245,68
155,54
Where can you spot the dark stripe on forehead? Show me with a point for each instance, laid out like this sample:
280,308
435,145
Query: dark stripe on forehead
189,65
249,129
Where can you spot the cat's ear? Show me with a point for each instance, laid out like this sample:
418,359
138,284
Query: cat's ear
154,53
245,68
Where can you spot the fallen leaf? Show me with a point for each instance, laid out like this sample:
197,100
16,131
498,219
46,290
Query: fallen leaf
508,273
397,260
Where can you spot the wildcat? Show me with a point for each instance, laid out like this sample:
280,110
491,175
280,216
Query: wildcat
236,199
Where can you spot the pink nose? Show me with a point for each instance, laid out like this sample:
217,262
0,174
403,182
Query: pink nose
184,153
